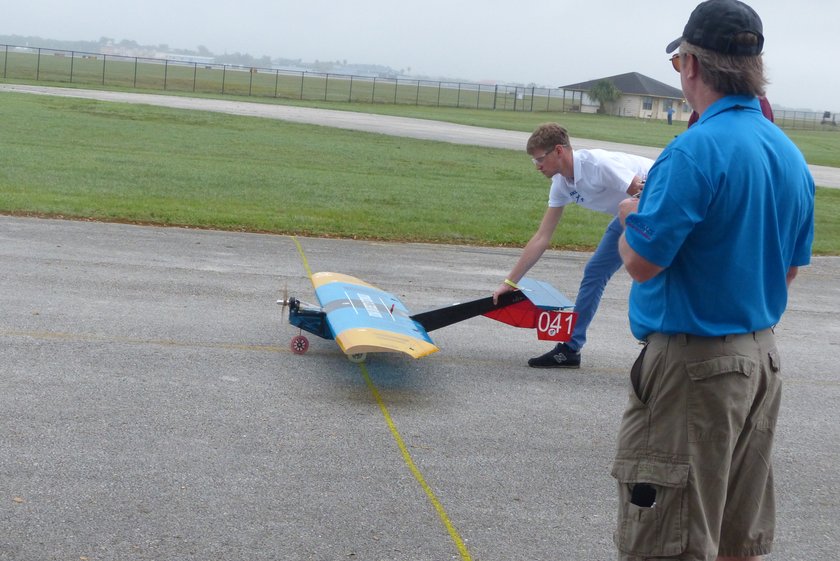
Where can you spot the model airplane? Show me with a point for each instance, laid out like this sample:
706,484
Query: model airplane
363,319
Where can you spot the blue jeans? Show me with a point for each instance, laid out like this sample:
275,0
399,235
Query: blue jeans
599,269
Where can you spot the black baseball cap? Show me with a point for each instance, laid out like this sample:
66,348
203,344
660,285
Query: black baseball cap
713,25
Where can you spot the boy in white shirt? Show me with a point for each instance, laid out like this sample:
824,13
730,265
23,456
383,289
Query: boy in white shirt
597,180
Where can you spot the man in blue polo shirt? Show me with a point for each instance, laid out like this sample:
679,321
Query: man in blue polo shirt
724,223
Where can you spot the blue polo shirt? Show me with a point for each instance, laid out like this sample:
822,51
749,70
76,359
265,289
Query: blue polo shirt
727,209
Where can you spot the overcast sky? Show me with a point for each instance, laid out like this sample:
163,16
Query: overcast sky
550,43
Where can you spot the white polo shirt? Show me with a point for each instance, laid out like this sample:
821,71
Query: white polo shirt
601,180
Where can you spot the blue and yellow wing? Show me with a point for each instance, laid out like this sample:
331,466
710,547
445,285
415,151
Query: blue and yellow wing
366,319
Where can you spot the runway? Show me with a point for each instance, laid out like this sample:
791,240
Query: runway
151,408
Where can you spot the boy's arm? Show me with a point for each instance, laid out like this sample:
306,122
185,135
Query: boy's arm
533,250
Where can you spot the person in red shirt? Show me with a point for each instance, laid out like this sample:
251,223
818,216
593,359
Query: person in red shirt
765,109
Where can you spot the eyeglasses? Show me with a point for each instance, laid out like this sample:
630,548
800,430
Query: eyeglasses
538,161
675,62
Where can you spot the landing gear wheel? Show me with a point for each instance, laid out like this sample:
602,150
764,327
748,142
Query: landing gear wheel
300,344
357,358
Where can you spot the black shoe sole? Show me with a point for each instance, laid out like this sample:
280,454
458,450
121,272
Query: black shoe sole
558,365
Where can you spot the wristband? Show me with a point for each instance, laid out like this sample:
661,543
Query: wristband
511,284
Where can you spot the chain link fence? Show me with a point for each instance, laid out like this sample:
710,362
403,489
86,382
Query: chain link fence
806,120
52,65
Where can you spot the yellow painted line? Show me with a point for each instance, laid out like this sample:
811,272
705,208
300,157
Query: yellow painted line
453,533
303,258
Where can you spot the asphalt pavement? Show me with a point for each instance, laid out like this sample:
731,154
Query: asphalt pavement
151,408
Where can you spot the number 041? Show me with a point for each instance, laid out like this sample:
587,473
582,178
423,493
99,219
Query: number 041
555,326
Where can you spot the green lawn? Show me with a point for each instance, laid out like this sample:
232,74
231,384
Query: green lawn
120,162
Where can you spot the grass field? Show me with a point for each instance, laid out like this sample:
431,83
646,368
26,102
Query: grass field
119,162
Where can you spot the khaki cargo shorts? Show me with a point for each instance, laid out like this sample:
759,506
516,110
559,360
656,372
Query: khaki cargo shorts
693,465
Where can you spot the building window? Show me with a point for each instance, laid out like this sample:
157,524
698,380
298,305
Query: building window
647,103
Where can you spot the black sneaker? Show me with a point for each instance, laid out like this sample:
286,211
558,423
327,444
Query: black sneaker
560,356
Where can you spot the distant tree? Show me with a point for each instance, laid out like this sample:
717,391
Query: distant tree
604,92
237,58
322,66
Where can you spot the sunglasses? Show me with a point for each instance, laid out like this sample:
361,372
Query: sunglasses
675,62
